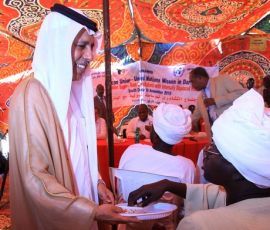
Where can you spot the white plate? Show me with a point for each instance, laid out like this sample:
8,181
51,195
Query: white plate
150,212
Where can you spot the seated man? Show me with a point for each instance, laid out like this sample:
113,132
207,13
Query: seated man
170,124
101,129
238,165
143,122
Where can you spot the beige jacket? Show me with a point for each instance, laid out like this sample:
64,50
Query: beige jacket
206,210
224,90
41,183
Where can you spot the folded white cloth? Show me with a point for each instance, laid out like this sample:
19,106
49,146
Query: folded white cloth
242,135
171,122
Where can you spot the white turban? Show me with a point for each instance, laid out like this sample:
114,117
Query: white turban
171,122
242,135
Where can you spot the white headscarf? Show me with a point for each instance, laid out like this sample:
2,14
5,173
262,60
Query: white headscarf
52,62
242,135
52,65
171,122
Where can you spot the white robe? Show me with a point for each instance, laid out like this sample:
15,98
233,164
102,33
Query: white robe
144,158
78,149
137,123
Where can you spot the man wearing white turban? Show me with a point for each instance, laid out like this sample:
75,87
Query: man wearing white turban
53,161
238,163
170,124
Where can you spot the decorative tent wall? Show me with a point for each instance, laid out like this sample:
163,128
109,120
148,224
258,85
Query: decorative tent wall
166,32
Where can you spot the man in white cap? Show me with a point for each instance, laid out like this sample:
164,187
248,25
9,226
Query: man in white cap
238,163
54,180
170,124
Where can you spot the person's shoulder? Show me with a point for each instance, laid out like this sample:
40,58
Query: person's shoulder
35,87
219,77
202,219
137,149
226,77
96,100
138,146
28,84
184,160
177,162
134,119
29,89
214,218
35,84
134,150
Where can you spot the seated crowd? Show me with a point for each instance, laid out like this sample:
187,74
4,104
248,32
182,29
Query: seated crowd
236,164
234,177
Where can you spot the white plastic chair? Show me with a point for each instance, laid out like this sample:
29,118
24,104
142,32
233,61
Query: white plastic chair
125,181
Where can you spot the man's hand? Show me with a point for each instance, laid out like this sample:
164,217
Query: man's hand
148,128
147,193
209,101
142,137
110,213
105,194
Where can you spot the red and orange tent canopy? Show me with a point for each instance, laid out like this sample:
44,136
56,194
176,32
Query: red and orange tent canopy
153,21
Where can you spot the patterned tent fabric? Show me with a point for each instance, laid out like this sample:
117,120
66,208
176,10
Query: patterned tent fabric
171,32
160,21
171,20
20,22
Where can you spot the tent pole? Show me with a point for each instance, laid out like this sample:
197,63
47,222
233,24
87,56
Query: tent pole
108,82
